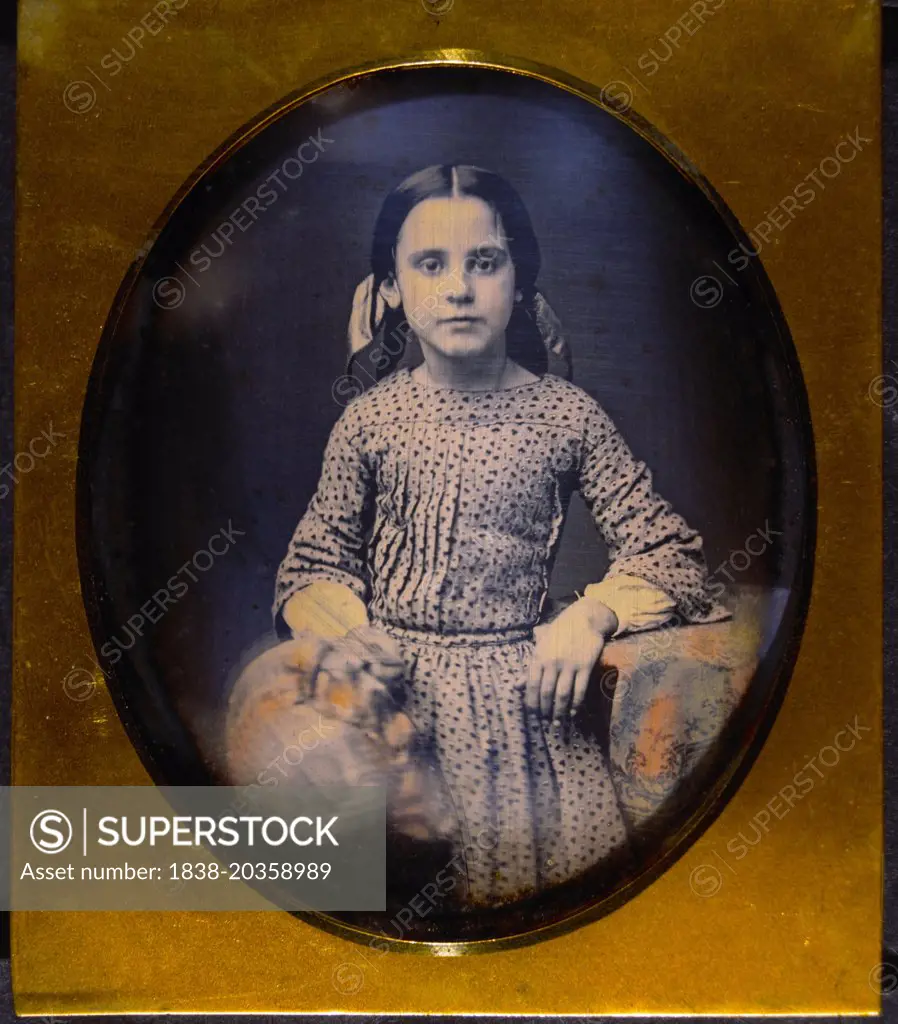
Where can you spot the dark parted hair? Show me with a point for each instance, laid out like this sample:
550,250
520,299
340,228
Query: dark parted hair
524,342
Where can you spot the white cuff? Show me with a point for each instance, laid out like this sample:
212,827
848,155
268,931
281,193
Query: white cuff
637,604
326,608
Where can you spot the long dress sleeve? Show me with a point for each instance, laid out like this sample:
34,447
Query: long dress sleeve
329,542
646,539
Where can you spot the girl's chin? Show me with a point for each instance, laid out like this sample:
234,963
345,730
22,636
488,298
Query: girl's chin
464,342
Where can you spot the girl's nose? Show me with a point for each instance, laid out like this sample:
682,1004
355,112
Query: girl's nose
459,287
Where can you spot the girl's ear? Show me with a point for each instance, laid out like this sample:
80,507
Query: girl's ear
390,292
518,295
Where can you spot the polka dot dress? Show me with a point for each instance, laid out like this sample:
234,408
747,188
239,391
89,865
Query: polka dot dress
442,510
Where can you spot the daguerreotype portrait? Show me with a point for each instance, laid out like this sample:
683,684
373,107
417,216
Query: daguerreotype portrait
468,420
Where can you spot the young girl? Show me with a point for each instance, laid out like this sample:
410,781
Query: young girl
442,497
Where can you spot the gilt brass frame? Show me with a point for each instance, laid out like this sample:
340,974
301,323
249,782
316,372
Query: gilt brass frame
797,930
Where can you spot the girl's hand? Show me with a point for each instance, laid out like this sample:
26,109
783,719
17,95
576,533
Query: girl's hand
565,653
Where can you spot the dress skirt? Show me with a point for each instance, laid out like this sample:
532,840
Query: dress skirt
534,798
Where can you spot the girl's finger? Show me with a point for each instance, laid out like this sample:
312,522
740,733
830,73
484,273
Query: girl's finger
534,679
547,689
581,682
564,690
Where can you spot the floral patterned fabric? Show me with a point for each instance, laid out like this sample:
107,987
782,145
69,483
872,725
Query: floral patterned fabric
673,692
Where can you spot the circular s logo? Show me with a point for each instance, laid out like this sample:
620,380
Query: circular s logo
705,881
706,291
51,831
347,978
617,95
169,293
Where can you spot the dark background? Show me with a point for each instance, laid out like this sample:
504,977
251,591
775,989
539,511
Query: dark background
6,446
218,410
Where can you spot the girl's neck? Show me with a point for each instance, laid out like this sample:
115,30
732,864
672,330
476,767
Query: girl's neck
487,373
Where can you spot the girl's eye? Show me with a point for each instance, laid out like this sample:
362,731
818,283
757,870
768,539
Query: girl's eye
481,264
430,265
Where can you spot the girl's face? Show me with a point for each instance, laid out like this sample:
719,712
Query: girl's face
454,277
